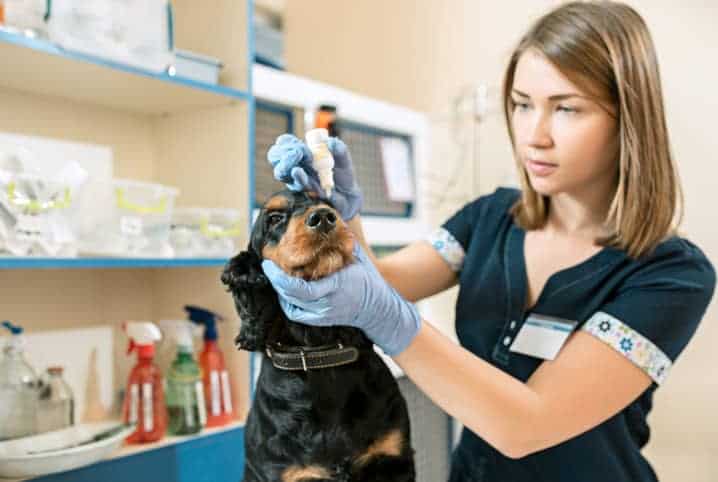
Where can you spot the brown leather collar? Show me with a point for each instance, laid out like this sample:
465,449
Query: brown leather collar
306,358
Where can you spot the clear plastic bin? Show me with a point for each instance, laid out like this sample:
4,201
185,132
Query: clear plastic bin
34,216
206,232
138,223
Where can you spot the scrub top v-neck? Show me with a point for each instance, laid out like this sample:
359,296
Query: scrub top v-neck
646,309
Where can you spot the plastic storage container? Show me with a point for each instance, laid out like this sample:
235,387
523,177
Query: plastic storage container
134,32
205,232
138,224
35,215
26,16
196,67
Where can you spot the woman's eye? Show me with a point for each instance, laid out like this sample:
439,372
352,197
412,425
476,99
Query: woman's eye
567,109
520,105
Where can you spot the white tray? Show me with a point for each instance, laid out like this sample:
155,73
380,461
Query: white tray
19,457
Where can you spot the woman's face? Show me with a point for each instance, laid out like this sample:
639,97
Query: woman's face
565,141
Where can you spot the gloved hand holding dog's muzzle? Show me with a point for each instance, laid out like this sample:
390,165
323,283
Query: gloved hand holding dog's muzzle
292,160
356,295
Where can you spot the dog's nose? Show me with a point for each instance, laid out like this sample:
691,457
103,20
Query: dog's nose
322,220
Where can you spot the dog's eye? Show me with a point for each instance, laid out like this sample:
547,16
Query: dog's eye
275,218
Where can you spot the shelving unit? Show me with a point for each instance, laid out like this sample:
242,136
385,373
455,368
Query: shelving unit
161,128
70,263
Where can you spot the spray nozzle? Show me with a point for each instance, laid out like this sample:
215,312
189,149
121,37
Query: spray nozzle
13,329
205,317
16,341
181,331
143,335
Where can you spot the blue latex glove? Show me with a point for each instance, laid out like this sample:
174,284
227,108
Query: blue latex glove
292,160
356,295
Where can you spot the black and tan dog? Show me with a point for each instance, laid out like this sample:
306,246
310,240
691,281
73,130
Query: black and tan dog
326,407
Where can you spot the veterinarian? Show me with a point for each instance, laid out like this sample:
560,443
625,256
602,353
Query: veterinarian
576,293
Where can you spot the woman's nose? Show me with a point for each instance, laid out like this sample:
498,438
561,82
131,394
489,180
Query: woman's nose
539,131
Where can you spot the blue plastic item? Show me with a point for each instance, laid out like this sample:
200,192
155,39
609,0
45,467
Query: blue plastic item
205,317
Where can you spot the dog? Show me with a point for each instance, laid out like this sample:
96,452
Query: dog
326,407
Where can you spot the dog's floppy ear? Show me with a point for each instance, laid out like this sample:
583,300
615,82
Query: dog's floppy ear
254,298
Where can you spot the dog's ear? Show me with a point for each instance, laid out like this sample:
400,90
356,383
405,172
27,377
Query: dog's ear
254,298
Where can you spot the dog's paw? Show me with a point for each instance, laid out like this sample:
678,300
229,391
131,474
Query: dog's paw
244,342
244,271
251,335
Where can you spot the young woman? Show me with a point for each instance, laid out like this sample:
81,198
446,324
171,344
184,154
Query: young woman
576,293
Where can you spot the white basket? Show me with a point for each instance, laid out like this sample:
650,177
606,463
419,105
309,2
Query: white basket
138,223
206,232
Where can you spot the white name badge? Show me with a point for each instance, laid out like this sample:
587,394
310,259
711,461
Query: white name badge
542,336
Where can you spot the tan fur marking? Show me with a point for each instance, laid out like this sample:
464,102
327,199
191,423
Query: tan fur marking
296,473
277,202
390,444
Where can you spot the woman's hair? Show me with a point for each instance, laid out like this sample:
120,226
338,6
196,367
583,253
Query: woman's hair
606,50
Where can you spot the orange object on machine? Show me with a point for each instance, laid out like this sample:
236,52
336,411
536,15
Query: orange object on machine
215,378
144,403
326,118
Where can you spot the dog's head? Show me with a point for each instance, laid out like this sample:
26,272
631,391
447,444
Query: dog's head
305,237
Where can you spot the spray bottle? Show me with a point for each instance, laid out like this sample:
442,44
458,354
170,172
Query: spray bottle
18,388
144,399
215,379
185,393
323,160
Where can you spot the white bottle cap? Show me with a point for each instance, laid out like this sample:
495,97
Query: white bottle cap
317,136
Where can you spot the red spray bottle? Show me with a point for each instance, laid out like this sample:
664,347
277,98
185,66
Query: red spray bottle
215,379
144,402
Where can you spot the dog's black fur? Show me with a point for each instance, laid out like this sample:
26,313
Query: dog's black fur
348,423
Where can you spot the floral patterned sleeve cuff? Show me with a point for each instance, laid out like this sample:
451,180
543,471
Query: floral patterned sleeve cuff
631,344
448,247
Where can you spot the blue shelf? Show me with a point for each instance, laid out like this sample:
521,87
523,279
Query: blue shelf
41,45
216,457
71,263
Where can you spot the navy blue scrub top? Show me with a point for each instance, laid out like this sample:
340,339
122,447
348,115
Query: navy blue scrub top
646,309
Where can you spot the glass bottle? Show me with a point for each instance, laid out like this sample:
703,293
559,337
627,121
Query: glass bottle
56,402
18,388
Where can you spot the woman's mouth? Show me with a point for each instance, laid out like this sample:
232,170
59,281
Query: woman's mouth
540,168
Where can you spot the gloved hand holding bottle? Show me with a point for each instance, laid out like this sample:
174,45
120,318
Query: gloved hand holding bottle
292,161
356,295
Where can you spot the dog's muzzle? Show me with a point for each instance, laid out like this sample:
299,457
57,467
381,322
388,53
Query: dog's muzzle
293,358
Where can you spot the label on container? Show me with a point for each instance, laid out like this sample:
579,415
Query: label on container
29,227
199,390
215,392
226,393
147,413
189,411
134,402
131,225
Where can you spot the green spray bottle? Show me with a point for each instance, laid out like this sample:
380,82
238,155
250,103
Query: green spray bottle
184,394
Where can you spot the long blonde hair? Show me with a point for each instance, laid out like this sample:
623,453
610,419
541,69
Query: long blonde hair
605,49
